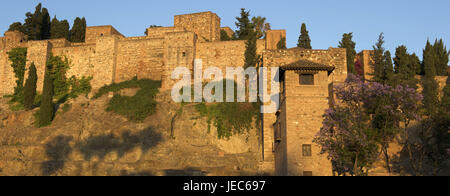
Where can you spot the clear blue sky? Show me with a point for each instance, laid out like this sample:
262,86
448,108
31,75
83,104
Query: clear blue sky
407,22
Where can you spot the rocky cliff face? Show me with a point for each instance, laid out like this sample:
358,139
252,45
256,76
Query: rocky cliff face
87,140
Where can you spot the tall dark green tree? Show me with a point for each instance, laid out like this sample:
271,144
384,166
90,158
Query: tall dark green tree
59,29
415,63
349,45
32,23
388,68
405,67
430,86
441,57
46,112
379,63
36,25
251,59
303,40
30,88
245,27
45,24
78,31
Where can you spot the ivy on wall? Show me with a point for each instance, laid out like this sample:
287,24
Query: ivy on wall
18,59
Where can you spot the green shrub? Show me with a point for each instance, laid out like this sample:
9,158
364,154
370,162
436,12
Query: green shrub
137,107
133,83
229,117
80,86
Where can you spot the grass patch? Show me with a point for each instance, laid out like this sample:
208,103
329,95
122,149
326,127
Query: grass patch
137,107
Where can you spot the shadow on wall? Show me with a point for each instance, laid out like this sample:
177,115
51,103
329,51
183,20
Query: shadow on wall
102,145
59,148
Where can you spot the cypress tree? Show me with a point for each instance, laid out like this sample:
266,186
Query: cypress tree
36,25
441,58
244,26
54,31
389,69
303,40
32,23
250,51
78,31
405,67
349,45
30,88
46,112
59,29
415,63
430,86
45,24
379,61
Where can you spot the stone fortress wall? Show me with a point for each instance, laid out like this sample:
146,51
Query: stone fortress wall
110,57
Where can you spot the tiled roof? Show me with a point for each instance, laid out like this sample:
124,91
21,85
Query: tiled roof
306,65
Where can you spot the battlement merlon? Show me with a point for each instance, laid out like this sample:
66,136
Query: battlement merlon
204,24
13,39
94,32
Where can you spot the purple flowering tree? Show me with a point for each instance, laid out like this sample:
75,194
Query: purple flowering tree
362,121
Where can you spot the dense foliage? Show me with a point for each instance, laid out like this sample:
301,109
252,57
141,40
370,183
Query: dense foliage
303,40
406,67
137,107
260,26
349,45
230,118
18,59
38,26
382,65
78,31
364,121
245,28
60,29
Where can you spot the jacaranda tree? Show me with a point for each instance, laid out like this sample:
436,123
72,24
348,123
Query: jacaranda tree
362,121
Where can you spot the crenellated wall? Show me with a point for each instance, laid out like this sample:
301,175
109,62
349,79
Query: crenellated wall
204,24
